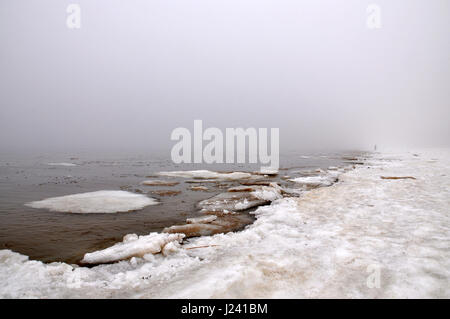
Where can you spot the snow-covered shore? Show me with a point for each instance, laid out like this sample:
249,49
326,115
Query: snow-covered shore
364,237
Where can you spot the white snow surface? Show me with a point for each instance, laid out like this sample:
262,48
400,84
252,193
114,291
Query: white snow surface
327,243
95,202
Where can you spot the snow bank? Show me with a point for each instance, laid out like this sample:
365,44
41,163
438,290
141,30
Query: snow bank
132,246
95,202
330,242
205,174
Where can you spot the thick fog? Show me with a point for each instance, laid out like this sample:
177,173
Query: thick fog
138,69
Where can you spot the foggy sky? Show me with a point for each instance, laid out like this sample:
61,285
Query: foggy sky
137,69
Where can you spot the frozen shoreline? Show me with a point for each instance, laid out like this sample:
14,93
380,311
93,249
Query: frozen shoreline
318,245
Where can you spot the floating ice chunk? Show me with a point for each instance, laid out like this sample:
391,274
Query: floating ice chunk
268,171
205,174
267,193
166,192
198,188
132,247
194,230
291,192
254,183
208,225
241,198
241,189
202,181
95,202
201,220
315,181
61,164
159,183
234,201
245,204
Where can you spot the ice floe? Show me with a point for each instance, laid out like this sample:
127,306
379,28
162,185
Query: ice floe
268,171
133,246
105,201
194,230
201,220
234,201
316,181
199,188
241,198
159,183
165,192
212,223
268,193
253,183
241,189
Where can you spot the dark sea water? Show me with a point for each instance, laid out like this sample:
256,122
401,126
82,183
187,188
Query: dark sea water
57,236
